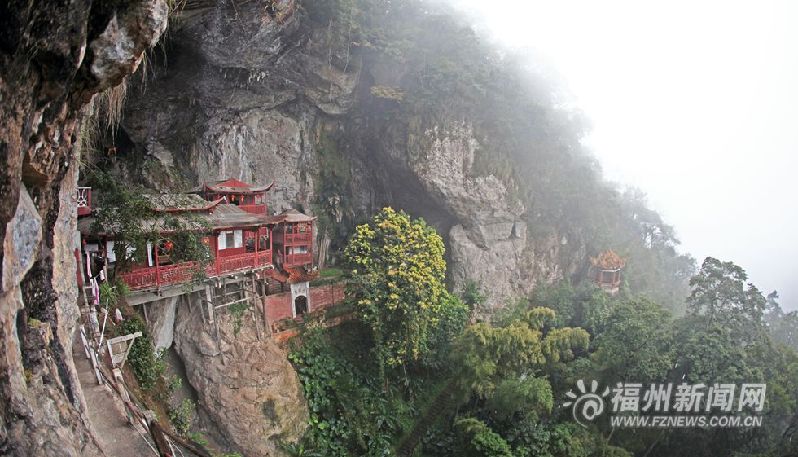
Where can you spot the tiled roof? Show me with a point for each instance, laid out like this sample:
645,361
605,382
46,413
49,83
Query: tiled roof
179,202
160,224
290,216
228,216
224,216
232,186
608,260
299,274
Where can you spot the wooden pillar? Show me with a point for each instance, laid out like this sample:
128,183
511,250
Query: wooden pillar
257,242
157,264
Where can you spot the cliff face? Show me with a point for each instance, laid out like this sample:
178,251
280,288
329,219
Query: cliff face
242,94
54,58
244,382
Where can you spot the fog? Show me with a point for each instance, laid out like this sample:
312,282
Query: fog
695,103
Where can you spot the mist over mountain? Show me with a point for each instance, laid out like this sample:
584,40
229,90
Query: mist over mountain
353,227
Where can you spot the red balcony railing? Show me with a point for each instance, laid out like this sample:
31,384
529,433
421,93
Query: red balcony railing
298,238
165,275
296,260
179,273
83,200
264,258
244,261
140,279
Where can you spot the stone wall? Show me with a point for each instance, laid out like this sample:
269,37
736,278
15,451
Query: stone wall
279,306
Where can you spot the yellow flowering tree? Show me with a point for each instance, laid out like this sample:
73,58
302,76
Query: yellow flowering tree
398,271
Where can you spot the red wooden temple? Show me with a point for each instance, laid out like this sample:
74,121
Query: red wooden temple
293,238
237,229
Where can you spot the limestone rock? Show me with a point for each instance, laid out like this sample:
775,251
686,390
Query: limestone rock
161,321
244,382
21,245
46,77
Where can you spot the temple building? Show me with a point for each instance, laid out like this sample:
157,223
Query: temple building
236,240
606,271
293,238
267,253
249,198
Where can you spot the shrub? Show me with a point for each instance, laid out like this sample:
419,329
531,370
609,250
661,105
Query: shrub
183,416
147,366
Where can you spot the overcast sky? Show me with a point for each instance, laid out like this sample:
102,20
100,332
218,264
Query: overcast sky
694,102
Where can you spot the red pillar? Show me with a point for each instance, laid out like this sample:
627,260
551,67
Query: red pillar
157,265
257,242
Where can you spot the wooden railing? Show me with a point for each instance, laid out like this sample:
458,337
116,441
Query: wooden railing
244,261
295,260
298,238
264,258
165,275
140,279
179,273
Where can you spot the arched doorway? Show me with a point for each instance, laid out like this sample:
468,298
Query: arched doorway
300,305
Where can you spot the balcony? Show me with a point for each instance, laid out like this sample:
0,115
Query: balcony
243,261
298,238
165,275
297,260
83,200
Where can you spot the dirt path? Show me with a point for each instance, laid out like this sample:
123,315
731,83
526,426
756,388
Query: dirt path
117,437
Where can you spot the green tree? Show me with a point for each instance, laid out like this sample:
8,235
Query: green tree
488,356
636,344
478,440
720,293
783,326
128,217
120,216
397,274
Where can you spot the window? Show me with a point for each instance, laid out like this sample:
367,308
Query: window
302,228
231,239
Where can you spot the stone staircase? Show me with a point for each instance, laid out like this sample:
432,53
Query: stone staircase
117,437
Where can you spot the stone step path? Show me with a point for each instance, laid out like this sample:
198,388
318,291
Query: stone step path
117,437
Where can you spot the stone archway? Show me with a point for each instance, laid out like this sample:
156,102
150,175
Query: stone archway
300,298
